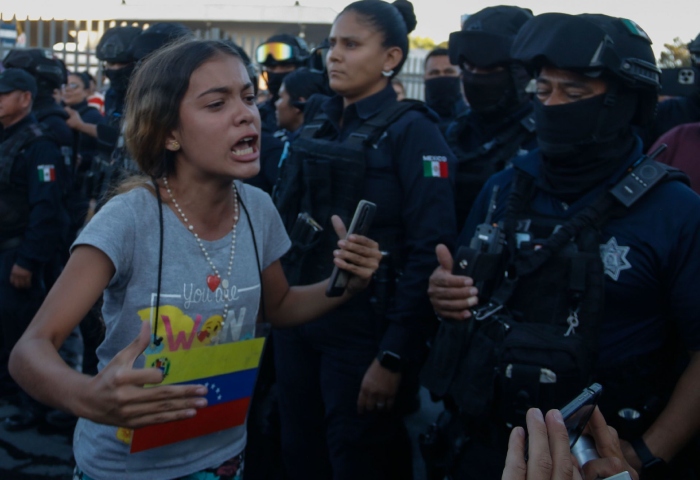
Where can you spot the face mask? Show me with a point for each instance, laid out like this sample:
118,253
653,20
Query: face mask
490,92
442,93
274,82
119,78
567,129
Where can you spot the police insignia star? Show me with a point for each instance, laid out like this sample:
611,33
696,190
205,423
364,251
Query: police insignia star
614,258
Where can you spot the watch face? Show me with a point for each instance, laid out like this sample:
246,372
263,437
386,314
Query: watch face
390,361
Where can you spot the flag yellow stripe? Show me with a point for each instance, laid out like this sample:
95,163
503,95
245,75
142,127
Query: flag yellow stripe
188,365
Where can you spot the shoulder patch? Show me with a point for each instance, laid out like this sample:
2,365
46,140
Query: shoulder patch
47,173
435,166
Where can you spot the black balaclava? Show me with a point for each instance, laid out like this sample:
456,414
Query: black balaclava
274,82
495,95
442,93
584,142
119,78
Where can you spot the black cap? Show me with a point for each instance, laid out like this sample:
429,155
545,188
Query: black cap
17,79
487,36
589,44
694,46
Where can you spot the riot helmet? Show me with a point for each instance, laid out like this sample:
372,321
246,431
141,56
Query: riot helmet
615,49
156,36
493,84
280,52
487,36
49,72
694,49
282,49
116,45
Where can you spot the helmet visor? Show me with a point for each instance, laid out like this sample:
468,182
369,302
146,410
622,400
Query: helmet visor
280,52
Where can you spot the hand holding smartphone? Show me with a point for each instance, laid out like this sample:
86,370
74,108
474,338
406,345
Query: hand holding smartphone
361,221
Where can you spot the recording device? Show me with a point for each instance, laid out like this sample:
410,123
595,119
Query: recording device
361,221
577,412
680,82
305,229
642,175
482,258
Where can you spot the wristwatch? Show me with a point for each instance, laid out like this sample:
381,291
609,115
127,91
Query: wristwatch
652,467
390,360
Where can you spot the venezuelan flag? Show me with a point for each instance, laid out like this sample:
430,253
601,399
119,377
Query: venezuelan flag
228,371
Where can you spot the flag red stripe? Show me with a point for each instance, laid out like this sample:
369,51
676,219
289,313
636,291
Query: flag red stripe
443,170
208,420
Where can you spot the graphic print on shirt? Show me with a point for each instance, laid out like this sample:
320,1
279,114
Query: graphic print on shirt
199,347
614,258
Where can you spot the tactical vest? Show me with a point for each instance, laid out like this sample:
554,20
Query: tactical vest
14,203
534,342
321,178
476,166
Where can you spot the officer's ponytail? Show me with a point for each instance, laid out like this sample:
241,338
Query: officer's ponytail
394,20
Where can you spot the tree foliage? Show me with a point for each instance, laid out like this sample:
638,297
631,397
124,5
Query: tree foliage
424,43
675,55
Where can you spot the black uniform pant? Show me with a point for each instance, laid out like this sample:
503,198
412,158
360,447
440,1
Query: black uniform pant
322,435
17,308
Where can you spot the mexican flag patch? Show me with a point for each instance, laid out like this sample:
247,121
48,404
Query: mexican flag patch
47,173
435,166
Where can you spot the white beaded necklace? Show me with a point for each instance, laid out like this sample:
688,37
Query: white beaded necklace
213,281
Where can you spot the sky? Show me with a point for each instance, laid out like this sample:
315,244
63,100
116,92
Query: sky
662,20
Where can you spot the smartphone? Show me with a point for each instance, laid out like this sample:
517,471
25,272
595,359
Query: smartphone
361,221
577,412
680,82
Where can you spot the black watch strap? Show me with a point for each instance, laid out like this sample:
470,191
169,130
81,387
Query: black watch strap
647,458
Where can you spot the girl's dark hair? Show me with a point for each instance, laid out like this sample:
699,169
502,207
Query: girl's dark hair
394,20
154,96
302,83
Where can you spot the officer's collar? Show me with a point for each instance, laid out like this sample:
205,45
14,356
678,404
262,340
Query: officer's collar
15,127
363,109
532,164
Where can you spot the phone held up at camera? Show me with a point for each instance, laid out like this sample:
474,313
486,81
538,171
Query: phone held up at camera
577,412
361,221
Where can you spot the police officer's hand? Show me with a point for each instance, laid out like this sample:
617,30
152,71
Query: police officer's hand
116,395
378,390
451,295
74,120
357,254
20,277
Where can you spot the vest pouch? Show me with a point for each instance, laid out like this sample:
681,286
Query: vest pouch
463,363
540,367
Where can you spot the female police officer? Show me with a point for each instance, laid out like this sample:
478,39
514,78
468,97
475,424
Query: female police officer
339,379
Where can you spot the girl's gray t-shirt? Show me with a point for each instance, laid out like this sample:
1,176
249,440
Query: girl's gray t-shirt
127,230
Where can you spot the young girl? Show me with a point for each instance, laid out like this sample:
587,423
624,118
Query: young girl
184,259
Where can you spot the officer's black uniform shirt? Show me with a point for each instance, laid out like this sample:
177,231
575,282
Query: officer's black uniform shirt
671,113
108,132
87,145
47,217
268,116
412,205
53,116
650,255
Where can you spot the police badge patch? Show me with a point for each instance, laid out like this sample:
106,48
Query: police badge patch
614,258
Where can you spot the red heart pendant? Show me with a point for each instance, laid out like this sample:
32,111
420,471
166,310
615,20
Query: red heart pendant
213,282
